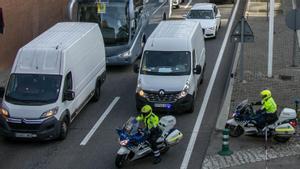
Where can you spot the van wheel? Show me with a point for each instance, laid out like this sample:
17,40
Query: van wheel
64,128
202,75
164,17
97,92
191,109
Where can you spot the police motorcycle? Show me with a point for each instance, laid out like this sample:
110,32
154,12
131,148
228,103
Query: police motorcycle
134,144
243,122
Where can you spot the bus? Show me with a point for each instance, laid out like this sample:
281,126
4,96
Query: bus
125,24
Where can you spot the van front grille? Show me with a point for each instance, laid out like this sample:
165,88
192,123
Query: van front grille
156,97
24,127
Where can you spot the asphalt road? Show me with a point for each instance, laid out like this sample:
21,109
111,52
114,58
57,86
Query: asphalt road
100,151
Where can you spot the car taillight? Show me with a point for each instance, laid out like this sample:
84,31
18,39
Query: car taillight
293,123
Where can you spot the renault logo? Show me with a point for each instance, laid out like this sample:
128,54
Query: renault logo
161,93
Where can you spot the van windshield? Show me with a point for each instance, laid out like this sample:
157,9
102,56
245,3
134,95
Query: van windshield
201,14
166,63
33,89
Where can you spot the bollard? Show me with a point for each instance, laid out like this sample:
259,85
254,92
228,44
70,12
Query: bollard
225,146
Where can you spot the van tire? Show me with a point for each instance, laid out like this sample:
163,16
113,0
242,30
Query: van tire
64,128
97,92
202,74
164,17
191,109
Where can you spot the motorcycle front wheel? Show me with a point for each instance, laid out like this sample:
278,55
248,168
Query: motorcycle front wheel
120,160
235,131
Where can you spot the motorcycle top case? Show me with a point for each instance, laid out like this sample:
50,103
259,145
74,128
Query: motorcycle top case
174,137
166,123
284,129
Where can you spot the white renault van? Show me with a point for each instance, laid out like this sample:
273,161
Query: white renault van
171,67
52,78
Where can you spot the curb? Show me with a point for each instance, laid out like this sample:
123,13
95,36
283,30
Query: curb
223,116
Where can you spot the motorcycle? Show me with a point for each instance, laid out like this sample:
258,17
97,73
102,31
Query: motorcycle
244,122
134,144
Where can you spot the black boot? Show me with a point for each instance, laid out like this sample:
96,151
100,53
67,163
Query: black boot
157,160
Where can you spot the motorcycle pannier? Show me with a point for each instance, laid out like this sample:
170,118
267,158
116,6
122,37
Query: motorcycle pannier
284,130
174,137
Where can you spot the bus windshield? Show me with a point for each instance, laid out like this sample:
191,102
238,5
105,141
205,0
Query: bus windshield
113,22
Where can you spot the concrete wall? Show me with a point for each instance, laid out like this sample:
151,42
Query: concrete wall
23,21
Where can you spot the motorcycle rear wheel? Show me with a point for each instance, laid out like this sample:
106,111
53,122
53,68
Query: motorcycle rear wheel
281,139
235,131
120,160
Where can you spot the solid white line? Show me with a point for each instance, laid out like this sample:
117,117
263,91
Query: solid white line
188,4
98,123
189,150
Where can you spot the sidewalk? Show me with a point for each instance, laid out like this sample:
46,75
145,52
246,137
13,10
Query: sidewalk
249,152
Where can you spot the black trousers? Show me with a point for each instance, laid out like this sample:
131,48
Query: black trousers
155,133
264,118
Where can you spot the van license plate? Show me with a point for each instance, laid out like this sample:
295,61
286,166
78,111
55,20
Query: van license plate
162,105
25,135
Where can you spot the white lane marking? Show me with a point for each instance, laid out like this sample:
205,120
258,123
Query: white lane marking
98,123
188,4
253,155
195,132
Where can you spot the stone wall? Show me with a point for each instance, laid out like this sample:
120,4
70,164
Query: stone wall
25,20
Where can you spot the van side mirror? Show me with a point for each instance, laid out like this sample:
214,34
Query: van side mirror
197,69
69,95
2,90
136,68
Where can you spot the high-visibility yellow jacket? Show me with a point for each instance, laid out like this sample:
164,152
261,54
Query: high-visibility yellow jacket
269,105
150,121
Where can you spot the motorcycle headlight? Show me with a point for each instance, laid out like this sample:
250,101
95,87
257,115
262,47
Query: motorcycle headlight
184,92
4,113
234,114
124,142
50,113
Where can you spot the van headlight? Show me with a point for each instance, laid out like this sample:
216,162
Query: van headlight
4,113
139,90
185,91
49,113
126,54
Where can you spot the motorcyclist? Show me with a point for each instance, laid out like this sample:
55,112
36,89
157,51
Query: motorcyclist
268,112
151,123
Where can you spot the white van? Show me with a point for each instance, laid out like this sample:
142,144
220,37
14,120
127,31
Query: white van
52,78
171,67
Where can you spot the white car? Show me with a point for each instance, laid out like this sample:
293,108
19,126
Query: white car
176,3
209,16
